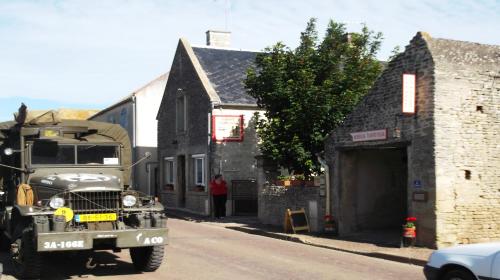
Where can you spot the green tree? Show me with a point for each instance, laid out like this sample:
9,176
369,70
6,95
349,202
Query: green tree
307,92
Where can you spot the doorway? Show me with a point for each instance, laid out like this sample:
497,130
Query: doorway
181,180
373,185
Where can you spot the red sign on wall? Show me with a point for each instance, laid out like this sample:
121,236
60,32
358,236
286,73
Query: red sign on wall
227,128
369,135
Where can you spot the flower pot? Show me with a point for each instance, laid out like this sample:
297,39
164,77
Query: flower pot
285,183
409,232
296,183
309,183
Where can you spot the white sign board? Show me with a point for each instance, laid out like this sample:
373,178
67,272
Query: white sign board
409,93
369,135
111,161
227,128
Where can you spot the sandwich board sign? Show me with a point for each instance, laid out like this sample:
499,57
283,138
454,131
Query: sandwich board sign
296,220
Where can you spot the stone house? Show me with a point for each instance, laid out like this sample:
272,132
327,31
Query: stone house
137,114
432,154
205,127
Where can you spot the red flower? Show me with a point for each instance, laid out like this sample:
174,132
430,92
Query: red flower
411,219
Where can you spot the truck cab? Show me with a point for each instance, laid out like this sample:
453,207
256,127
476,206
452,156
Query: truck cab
65,186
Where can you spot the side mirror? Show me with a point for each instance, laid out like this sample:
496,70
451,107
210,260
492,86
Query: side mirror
146,156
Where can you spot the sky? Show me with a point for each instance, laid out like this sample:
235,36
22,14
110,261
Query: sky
88,54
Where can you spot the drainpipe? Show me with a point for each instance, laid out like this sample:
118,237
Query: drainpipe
134,138
327,184
209,156
134,121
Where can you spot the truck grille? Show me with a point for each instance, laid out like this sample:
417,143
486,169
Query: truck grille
95,202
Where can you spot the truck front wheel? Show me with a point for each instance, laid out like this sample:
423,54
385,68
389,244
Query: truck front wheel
26,259
147,259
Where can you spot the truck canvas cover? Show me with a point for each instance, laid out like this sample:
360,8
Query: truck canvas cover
98,132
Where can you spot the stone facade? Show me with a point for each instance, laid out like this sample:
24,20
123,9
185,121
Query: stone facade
467,154
448,146
183,81
274,200
209,80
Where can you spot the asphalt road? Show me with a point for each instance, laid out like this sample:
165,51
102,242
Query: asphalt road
202,251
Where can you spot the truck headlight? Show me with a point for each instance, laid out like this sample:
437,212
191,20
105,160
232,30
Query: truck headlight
129,200
56,202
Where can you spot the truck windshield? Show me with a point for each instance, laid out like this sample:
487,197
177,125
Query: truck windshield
76,154
94,154
63,154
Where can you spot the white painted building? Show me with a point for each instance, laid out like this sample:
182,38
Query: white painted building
137,114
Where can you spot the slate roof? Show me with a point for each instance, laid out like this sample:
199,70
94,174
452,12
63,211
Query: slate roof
226,70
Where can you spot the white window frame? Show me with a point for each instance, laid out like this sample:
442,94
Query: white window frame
165,161
195,169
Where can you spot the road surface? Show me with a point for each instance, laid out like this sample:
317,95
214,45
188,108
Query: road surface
204,251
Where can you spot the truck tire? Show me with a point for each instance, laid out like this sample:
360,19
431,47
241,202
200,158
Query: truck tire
26,261
147,259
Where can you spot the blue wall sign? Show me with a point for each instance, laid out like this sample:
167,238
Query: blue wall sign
417,184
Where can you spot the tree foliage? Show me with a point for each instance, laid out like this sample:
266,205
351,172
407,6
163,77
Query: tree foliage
306,92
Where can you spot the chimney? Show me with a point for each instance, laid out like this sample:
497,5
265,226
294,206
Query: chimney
218,38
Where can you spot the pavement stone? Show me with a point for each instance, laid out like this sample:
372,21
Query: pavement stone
251,225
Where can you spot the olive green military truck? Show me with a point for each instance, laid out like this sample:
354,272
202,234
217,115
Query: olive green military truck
65,186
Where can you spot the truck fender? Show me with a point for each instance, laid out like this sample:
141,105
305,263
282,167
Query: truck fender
24,210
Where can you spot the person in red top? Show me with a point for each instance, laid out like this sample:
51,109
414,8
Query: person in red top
218,187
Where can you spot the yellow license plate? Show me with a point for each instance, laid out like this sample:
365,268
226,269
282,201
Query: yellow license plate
105,217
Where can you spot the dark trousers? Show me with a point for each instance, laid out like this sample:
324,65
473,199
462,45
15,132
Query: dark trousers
220,205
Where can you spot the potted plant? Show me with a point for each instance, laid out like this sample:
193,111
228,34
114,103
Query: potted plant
282,180
300,180
297,180
409,231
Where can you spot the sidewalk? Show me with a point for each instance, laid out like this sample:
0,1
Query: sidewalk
251,225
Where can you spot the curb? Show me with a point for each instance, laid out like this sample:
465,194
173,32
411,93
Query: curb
260,232
378,255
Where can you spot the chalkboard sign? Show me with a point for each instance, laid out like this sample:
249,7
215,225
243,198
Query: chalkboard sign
296,220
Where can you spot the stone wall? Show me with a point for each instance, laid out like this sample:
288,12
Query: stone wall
274,200
467,118
451,141
381,109
183,81
236,160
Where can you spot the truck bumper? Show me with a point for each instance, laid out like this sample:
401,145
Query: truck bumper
84,240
